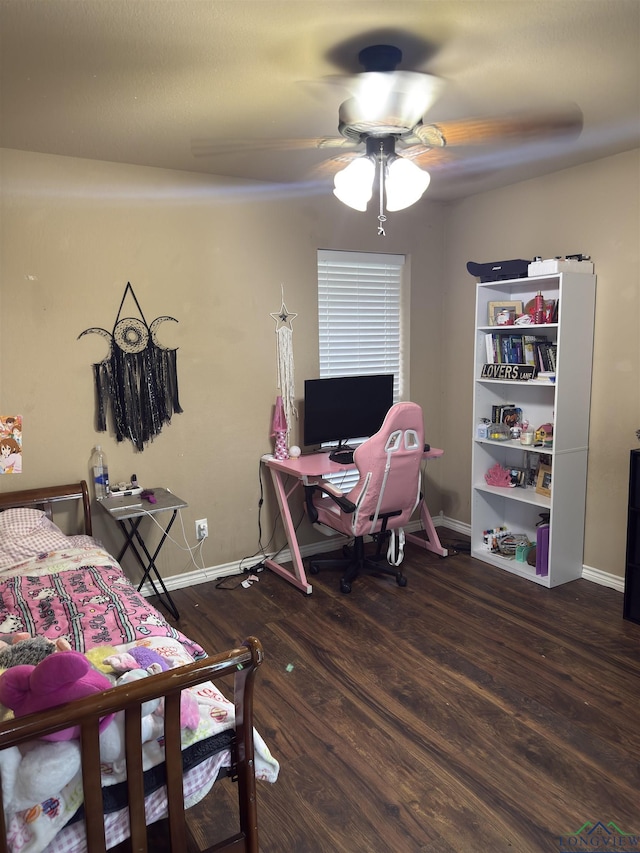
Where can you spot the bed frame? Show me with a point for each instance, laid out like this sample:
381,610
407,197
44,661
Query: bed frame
242,663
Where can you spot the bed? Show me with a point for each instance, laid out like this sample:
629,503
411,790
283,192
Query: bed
174,733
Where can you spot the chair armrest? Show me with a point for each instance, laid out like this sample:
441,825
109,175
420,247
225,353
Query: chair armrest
336,495
333,492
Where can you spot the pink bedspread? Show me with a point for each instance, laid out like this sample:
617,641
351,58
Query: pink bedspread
81,594
91,604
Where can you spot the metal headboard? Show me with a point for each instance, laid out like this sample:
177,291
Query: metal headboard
46,497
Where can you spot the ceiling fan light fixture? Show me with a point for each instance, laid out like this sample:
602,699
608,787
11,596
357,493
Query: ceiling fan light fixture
353,185
405,183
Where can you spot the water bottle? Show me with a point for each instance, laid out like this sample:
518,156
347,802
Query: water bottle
100,472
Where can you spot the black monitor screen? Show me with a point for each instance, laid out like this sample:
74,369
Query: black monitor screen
345,407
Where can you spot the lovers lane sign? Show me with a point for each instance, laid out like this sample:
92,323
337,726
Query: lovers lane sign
517,372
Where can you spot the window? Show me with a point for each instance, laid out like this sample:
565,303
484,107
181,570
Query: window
360,322
360,301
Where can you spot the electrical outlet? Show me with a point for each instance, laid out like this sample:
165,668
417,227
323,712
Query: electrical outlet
202,528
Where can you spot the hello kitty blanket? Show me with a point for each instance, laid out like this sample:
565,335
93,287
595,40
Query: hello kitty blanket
42,780
81,595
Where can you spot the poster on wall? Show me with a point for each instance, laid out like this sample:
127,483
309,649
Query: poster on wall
10,444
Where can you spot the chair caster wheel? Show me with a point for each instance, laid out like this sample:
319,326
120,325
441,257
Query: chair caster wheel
400,579
314,569
345,587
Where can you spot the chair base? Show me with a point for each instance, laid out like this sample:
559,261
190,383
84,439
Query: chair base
356,563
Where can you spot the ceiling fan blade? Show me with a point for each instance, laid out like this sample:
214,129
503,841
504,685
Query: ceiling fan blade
427,158
439,162
505,130
328,168
214,148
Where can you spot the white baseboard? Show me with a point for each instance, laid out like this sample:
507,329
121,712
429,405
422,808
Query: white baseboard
331,543
452,524
196,577
588,573
603,578
328,543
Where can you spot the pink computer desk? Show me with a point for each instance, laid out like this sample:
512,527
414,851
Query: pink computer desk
307,470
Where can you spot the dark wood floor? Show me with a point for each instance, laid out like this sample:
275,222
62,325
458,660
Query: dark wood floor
470,711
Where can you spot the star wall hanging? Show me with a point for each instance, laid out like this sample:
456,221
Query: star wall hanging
284,358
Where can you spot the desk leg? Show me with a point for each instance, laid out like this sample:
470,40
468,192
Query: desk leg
298,577
432,542
150,566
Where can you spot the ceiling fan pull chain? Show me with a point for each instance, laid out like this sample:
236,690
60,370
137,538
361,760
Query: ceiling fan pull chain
381,217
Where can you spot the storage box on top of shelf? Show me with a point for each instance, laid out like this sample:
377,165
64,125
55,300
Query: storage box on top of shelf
556,265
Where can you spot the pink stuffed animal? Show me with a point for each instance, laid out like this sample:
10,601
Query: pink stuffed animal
143,661
56,680
138,657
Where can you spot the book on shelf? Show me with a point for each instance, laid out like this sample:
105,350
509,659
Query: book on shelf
542,550
490,345
506,413
529,343
534,350
504,348
546,356
512,349
511,415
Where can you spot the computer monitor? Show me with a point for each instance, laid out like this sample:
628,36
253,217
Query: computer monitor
344,408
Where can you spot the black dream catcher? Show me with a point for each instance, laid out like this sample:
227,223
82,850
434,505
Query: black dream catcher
138,380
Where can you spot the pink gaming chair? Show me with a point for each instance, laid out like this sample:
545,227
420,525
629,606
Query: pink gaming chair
381,502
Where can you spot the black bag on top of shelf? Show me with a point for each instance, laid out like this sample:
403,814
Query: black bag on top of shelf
498,270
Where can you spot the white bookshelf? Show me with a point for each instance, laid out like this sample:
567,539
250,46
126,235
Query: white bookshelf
565,404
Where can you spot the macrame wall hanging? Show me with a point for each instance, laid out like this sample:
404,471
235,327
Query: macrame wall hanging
285,407
138,380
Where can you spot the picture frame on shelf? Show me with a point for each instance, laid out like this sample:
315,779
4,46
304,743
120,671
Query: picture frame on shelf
518,477
543,480
495,308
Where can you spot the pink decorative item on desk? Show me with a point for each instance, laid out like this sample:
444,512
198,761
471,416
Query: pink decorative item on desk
279,430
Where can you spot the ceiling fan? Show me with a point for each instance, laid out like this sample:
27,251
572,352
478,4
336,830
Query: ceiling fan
383,133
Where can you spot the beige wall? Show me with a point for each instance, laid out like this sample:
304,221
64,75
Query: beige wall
593,209
214,256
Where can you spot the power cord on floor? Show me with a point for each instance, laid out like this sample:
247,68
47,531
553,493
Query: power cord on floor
232,581
456,546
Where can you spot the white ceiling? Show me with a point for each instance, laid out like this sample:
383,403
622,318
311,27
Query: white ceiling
138,81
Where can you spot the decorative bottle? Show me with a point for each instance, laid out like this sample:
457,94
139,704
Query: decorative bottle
100,473
538,311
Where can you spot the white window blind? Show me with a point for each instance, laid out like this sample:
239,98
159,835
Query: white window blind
360,322
359,314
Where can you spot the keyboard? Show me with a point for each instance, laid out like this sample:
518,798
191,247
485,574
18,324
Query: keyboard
345,457
342,457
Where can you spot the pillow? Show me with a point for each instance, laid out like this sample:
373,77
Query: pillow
26,533
20,521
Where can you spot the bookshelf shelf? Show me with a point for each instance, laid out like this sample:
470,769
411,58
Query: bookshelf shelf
527,495
565,404
534,328
521,569
538,383
515,445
